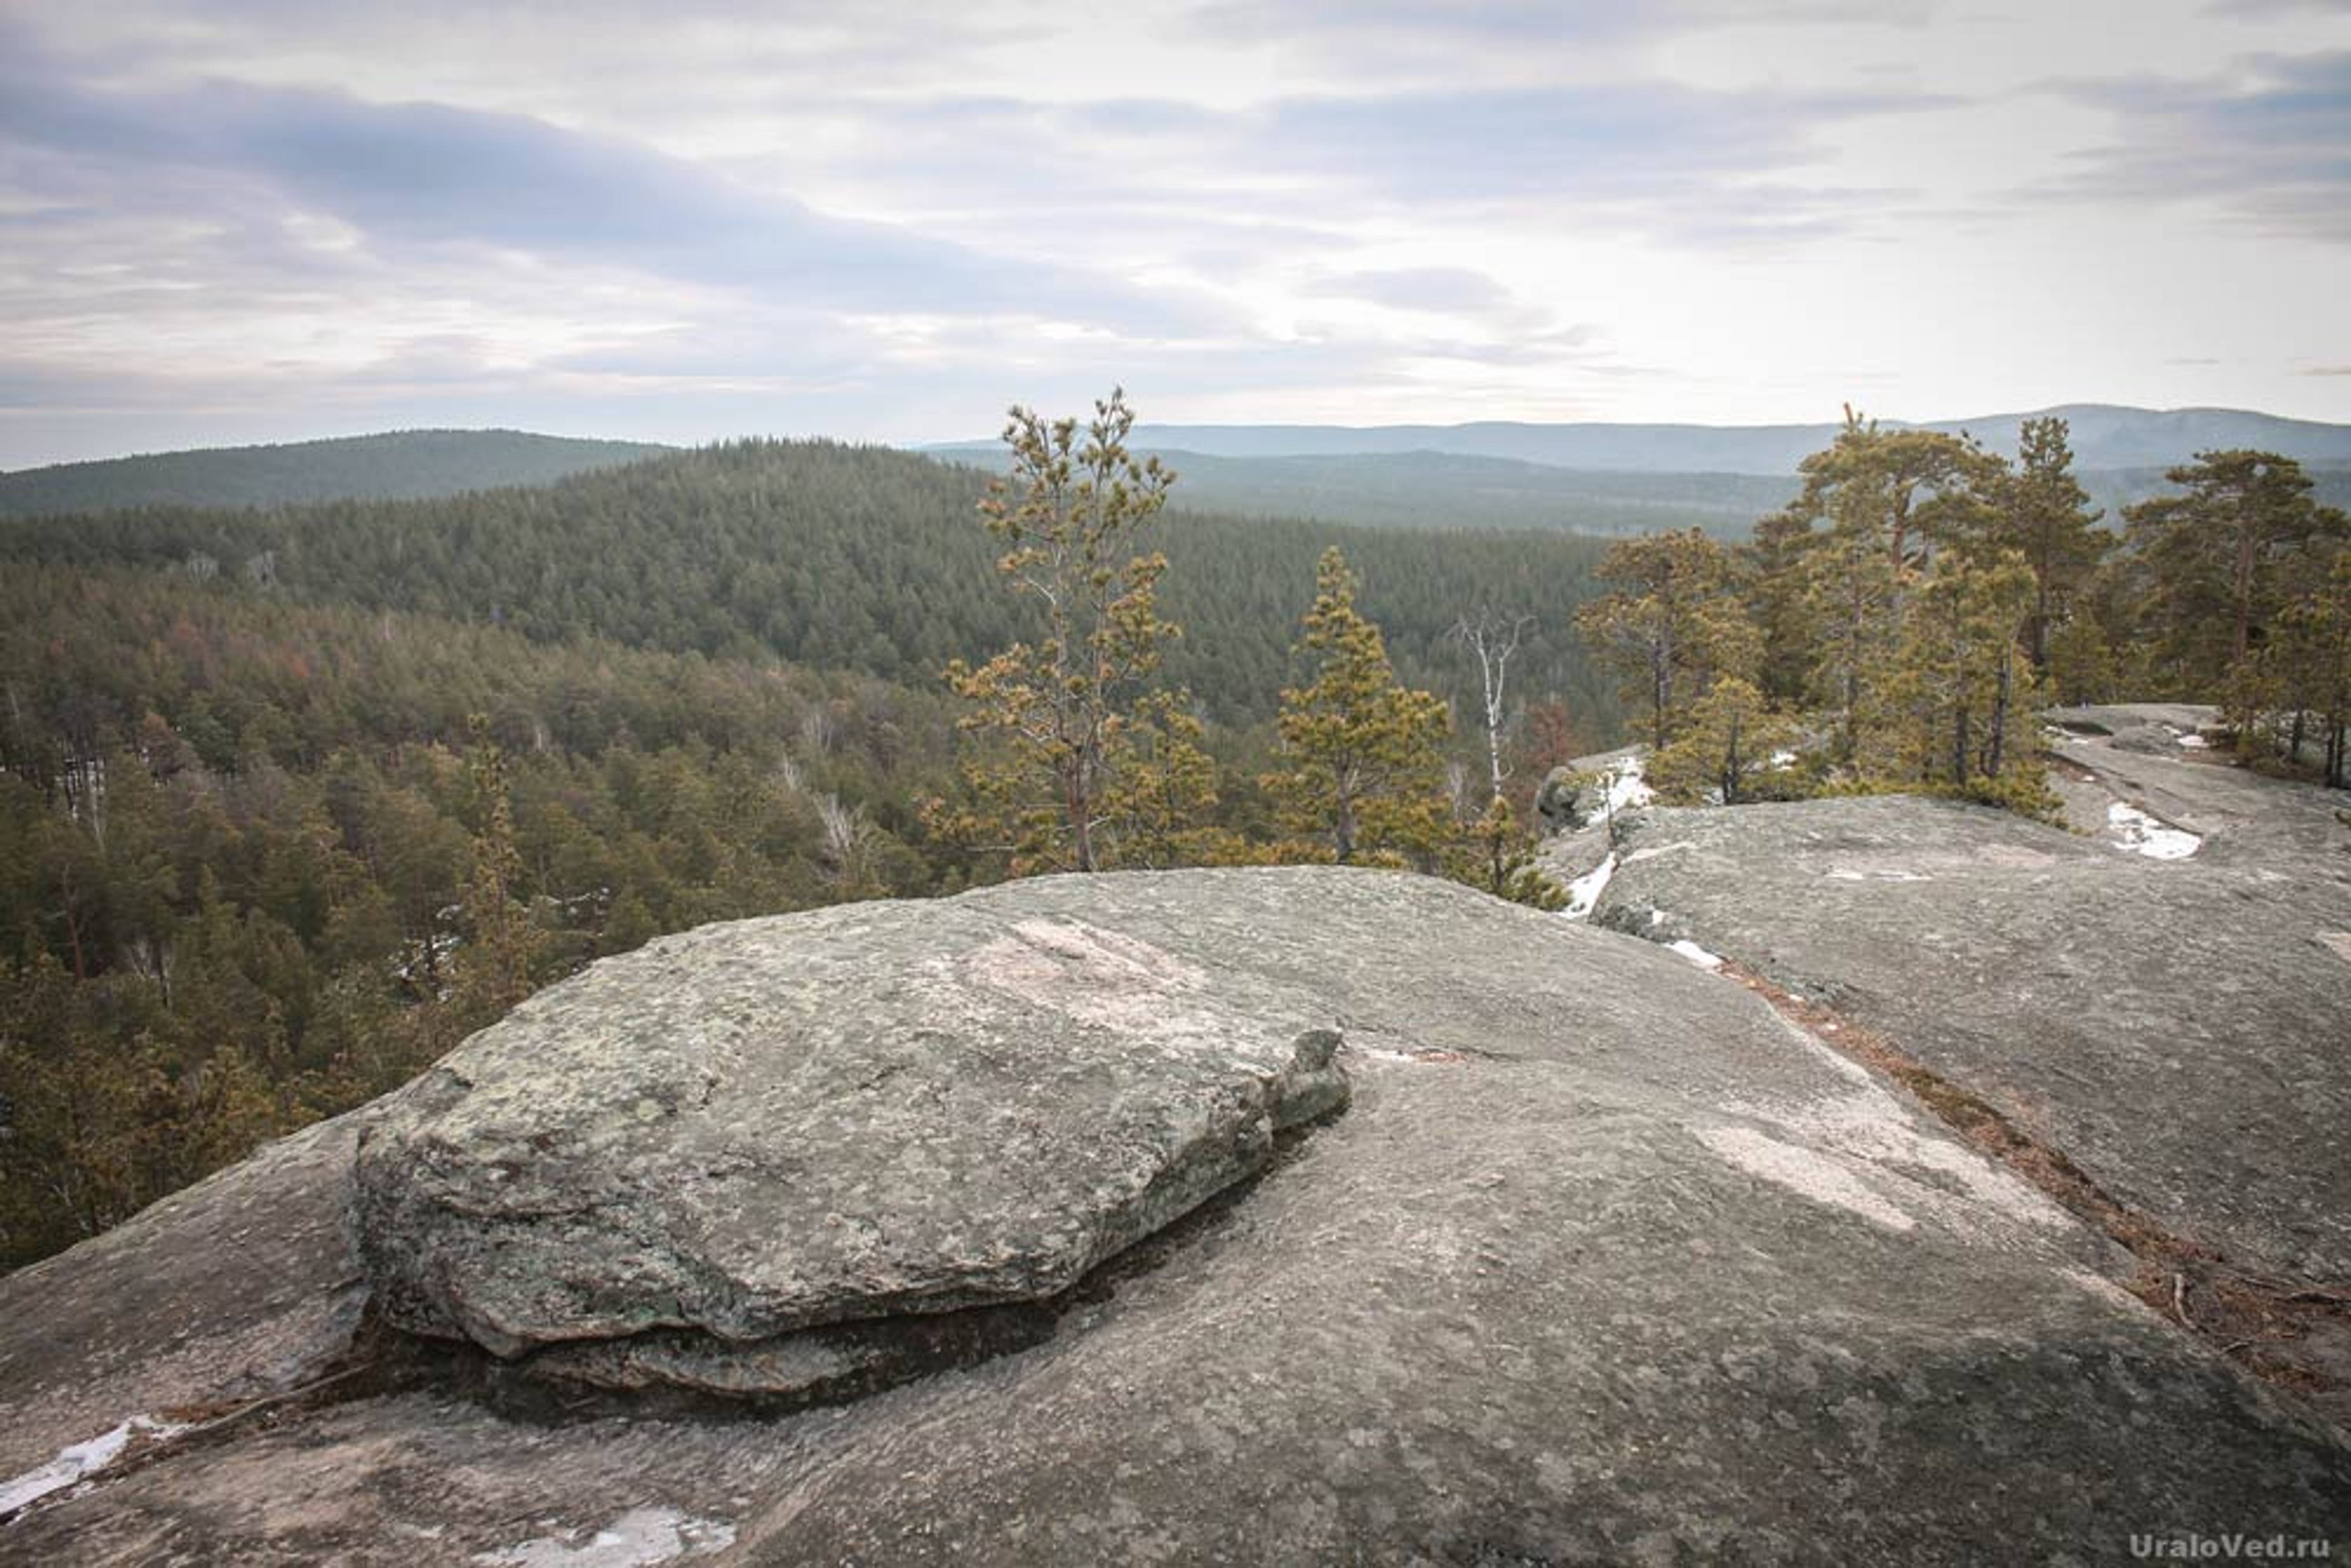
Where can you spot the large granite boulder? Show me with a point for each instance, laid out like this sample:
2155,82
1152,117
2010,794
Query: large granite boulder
1604,1263
851,1114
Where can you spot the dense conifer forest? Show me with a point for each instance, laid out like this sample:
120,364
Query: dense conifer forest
259,862
293,798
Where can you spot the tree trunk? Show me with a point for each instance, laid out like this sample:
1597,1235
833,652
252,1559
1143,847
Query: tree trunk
2244,589
1661,690
1081,815
1995,750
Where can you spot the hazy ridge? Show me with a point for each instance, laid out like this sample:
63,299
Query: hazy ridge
396,465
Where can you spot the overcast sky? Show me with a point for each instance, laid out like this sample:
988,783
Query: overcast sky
225,221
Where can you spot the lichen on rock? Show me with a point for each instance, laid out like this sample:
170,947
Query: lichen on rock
760,1130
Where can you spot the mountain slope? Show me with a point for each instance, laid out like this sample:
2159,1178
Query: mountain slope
1448,490
843,558
397,465
2104,437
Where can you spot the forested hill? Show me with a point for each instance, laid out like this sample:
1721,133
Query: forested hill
399,465
1448,490
258,861
841,557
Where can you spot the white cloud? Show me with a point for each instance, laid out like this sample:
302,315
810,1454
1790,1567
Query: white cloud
243,218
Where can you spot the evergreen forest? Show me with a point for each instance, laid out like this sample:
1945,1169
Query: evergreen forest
292,797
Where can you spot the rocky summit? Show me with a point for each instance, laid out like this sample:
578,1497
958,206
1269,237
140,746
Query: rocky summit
1341,1217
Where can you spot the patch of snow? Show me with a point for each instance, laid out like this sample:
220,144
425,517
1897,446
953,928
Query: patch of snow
77,1462
1782,759
1585,892
1696,953
637,1539
1846,873
1657,917
1423,1057
1624,788
2139,833
2194,742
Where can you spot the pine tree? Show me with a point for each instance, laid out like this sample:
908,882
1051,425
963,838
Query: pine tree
1876,507
1365,759
2220,561
1959,707
495,967
1674,623
2043,513
1731,745
2305,671
1048,718
1164,787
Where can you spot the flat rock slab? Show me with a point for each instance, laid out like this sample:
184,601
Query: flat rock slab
2246,819
1605,1264
813,1119
2177,1028
241,1287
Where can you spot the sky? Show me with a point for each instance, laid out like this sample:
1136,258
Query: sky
233,221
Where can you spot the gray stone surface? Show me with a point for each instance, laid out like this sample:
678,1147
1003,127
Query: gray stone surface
2247,819
1605,1264
242,1286
2178,1028
848,1114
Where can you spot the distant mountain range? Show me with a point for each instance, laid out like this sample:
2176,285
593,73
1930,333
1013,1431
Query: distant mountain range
1636,478
1599,479
405,464
2104,436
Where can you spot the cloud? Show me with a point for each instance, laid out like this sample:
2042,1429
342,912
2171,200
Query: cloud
785,215
2272,142
434,175
1445,290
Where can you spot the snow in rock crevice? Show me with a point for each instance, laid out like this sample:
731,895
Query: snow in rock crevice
2136,833
1583,892
1696,953
1624,787
77,1462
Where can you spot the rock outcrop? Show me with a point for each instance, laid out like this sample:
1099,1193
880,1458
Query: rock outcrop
2176,1026
2156,998
1604,1263
858,1113
1578,793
